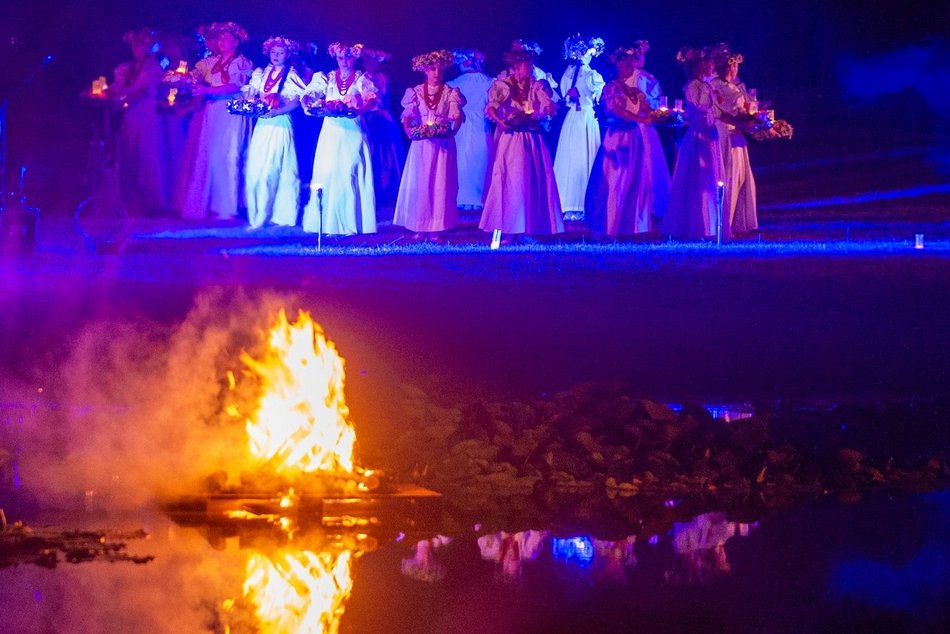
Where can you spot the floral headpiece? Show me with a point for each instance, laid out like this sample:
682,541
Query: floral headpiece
377,54
529,46
291,46
235,29
723,55
577,46
516,57
642,45
624,52
469,56
687,54
144,36
436,59
345,49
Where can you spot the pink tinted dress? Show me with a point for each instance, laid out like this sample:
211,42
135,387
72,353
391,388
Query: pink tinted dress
211,182
740,204
692,211
429,187
522,195
146,170
619,198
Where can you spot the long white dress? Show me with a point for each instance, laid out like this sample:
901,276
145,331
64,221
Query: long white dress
619,198
342,163
473,139
210,180
580,137
655,163
740,184
429,187
273,180
385,143
692,211
522,195
145,167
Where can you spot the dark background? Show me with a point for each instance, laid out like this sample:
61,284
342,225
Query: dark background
796,53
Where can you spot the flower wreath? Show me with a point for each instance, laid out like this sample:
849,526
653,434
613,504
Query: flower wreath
291,46
336,49
438,59
235,29
577,46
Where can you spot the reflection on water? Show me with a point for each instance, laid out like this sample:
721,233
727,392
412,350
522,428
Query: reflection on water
511,551
214,579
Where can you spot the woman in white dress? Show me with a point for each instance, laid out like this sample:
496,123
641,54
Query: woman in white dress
144,157
620,194
734,100
385,137
655,167
210,181
473,140
429,187
342,198
522,195
273,181
577,146
692,212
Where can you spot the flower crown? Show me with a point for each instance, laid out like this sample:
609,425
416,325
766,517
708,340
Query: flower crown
142,36
642,45
516,57
235,29
529,46
291,46
577,46
624,52
468,56
435,59
688,54
336,49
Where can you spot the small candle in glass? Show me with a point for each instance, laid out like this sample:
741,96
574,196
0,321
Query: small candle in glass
172,95
182,68
678,104
771,115
664,103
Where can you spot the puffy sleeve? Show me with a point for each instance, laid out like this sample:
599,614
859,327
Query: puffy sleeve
366,89
617,102
410,106
202,71
317,85
240,70
456,101
701,98
256,83
294,87
595,83
543,96
498,94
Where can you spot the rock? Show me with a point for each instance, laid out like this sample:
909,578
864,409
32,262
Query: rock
560,460
657,411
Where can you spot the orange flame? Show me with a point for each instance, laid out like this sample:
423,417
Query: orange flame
300,424
299,591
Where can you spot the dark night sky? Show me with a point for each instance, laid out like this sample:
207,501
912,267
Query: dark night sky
792,48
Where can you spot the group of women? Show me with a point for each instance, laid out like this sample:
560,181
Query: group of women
477,142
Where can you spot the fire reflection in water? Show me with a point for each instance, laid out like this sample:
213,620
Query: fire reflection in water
302,589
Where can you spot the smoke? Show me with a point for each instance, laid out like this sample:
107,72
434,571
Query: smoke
145,406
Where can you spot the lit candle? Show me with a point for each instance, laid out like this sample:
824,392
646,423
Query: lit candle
771,115
171,96
182,68
678,104
664,103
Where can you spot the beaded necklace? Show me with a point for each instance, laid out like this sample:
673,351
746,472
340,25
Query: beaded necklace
272,81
